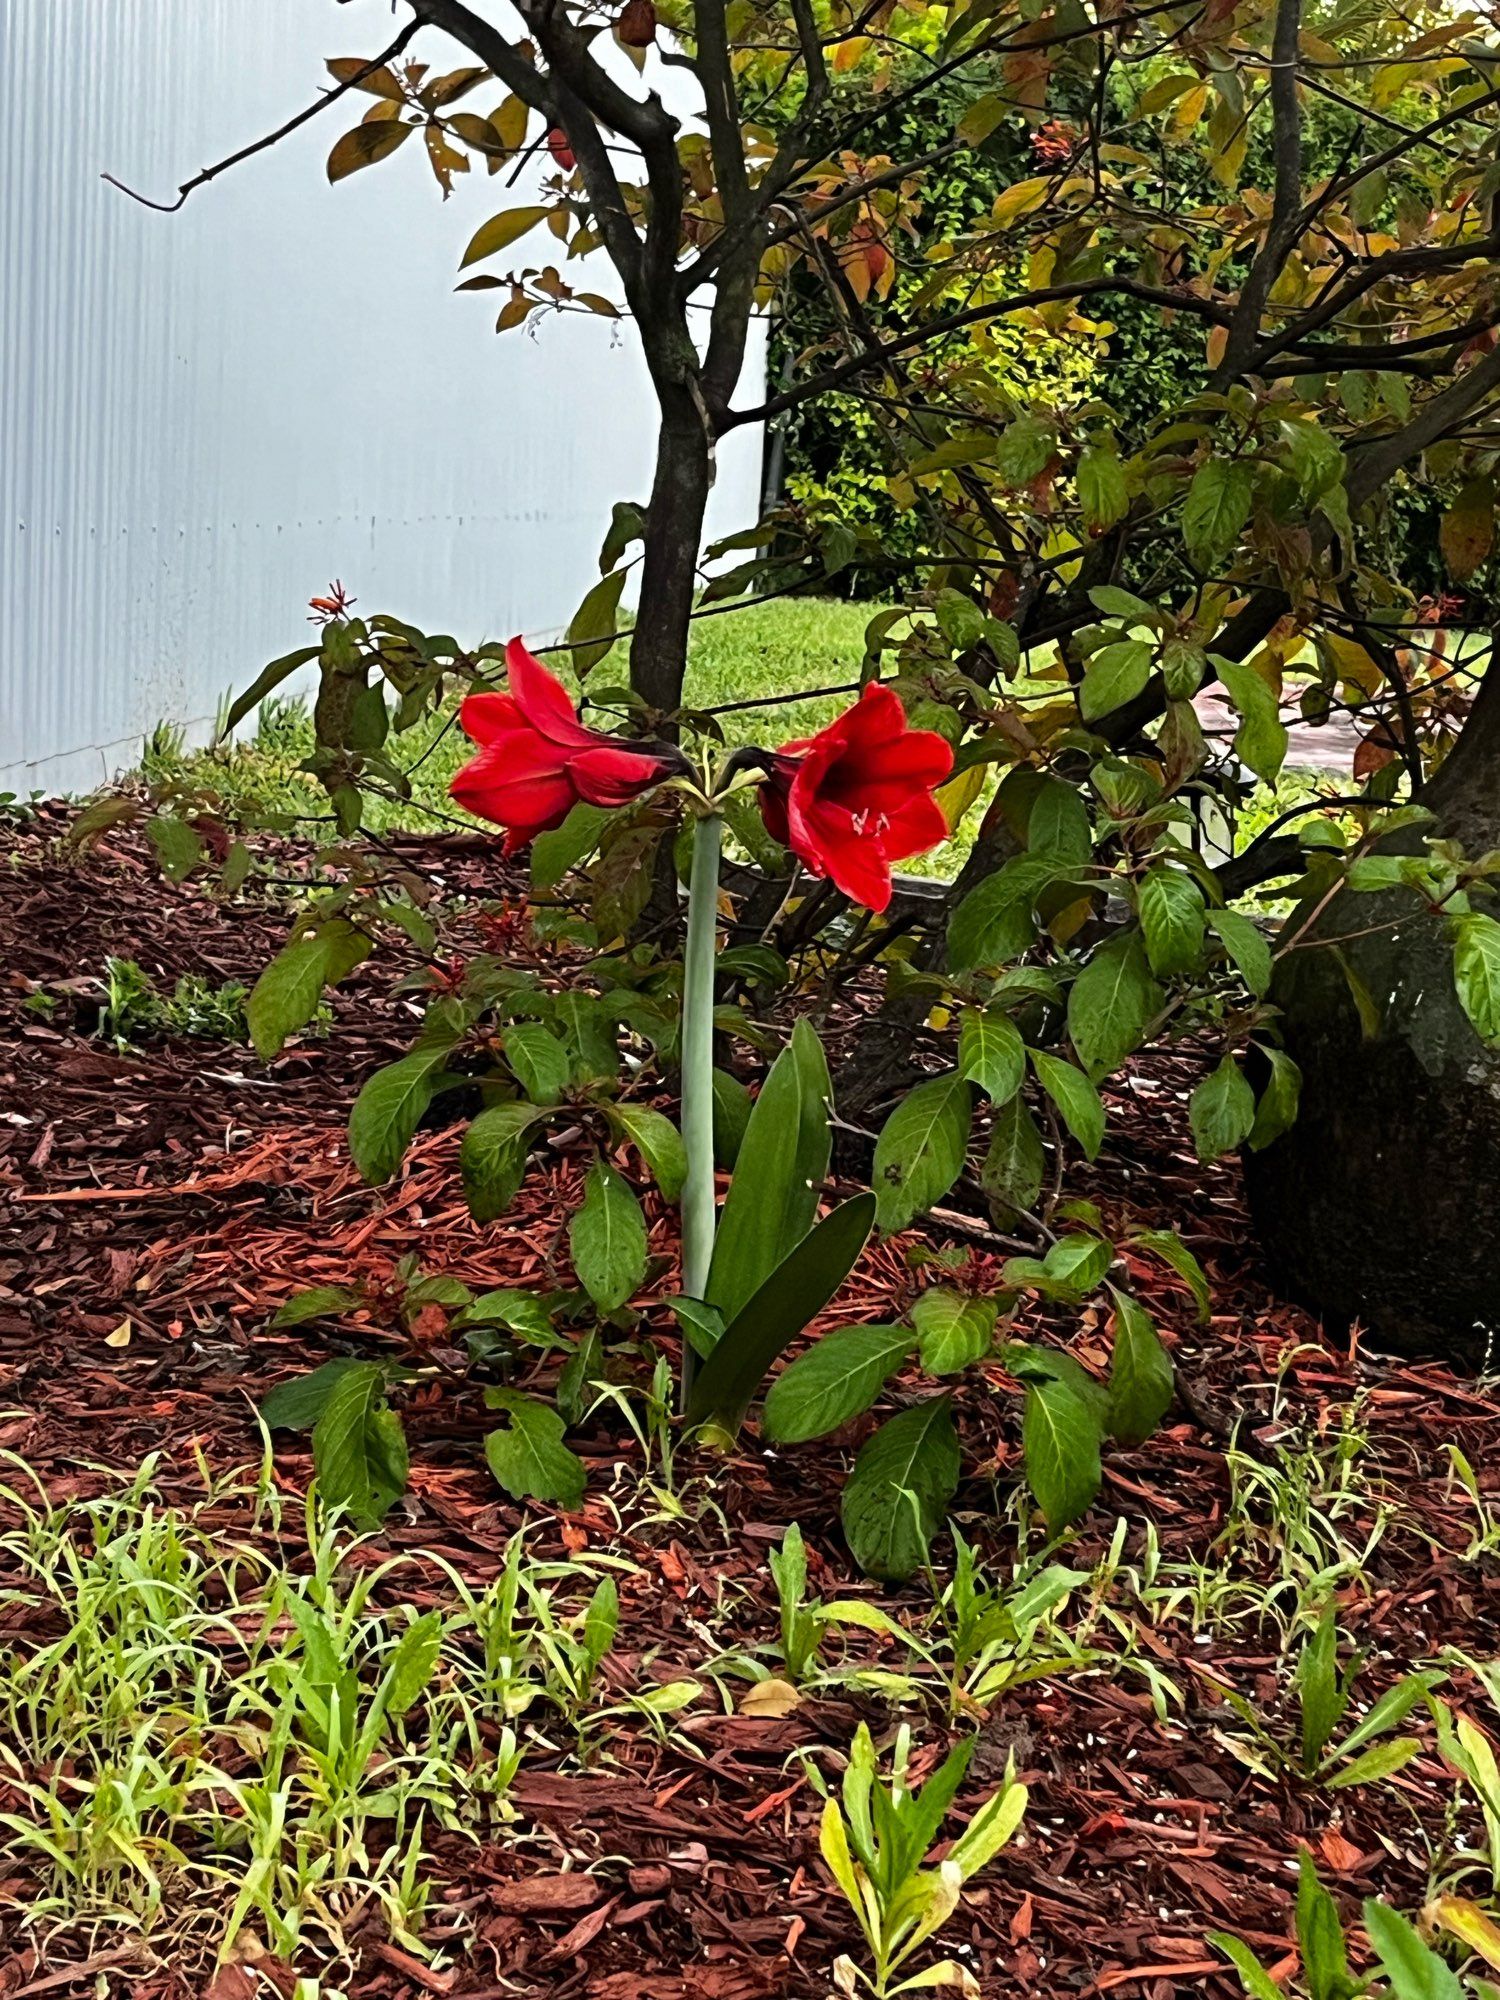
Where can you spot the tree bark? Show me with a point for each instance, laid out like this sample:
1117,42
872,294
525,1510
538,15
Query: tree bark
674,535
1381,1206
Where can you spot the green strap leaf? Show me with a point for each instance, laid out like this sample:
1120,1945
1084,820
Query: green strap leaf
784,1153
792,1296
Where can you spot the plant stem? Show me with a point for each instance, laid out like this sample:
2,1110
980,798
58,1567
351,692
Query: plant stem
698,1072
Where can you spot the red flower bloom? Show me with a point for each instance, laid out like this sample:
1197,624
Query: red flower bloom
858,796
536,759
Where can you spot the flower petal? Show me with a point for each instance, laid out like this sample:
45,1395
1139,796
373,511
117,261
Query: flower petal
484,717
490,787
915,827
609,776
852,861
543,700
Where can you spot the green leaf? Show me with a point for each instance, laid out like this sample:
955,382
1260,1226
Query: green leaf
1216,509
1322,1694
179,847
1015,1165
492,1158
1414,1970
953,1330
1078,1102
286,995
1024,450
1380,1761
1060,1435
1141,1382
1277,1110
388,1110
584,1367
413,1663
366,144
607,1238
1476,972
993,924
1058,823
539,1061
509,1306
1248,949
266,682
731,1119
897,1494
359,1447
1253,1976
528,1457
1102,492
627,524
1111,1005
554,853
317,1302
839,1377
1169,1246
792,1296
773,1197
298,1403
1117,603
1221,1111
1261,739
1072,1268
1116,674
991,1053
596,623
1320,1933
921,1149
1172,920
501,231
658,1142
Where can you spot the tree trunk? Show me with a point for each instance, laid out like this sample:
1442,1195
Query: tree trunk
1382,1204
674,536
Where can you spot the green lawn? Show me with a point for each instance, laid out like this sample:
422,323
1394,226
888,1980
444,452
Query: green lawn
772,649
766,649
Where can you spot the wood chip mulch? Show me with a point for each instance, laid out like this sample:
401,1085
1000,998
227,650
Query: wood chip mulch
157,1205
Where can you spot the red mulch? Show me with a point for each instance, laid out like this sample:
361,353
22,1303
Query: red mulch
184,1190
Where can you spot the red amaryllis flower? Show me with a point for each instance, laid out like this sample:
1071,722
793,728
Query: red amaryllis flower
858,796
536,759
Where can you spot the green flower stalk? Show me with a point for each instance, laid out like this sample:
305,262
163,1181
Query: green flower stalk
698,1071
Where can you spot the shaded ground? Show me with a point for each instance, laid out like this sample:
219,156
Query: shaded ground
157,1204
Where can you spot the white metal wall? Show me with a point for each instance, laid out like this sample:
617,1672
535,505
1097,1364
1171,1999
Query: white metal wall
206,416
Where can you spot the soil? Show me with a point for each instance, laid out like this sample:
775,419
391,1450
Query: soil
157,1203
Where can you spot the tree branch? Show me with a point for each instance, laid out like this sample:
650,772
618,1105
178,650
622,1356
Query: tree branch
272,138
1286,223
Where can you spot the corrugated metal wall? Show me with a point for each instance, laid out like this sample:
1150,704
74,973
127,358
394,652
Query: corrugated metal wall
206,416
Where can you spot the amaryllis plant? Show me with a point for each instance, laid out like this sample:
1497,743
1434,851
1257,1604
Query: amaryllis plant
848,802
